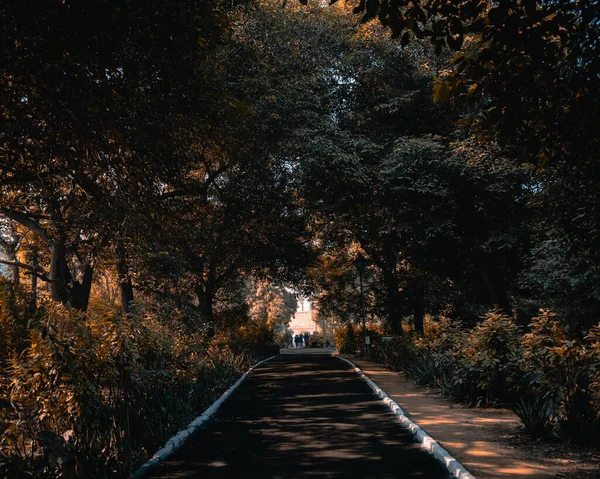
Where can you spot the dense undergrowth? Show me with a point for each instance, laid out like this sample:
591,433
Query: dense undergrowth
550,377
93,396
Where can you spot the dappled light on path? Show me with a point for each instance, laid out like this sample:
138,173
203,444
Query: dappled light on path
301,416
470,435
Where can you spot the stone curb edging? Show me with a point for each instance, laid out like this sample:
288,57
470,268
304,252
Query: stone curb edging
178,439
455,468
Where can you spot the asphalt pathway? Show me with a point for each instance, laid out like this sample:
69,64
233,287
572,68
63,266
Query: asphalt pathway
302,416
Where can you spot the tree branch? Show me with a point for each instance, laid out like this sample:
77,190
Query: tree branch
40,273
201,189
4,245
28,222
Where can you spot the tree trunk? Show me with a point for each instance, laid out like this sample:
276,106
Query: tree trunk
124,280
496,292
80,292
419,310
205,295
16,279
393,316
11,252
205,301
34,278
60,276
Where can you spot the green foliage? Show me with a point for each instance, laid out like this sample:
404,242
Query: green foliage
317,341
536,415
561,366
430,358
256,337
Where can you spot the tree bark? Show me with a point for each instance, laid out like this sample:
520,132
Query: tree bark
419,310
34,278
124,280
496,292
205,297
60,276
80,292
393,316
15,270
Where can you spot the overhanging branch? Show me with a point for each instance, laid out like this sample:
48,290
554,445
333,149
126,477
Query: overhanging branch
28,222
40,273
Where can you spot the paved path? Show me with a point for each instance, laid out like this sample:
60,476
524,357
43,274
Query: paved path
309,351
302,416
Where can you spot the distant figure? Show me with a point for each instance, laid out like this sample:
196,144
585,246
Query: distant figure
297,340
306,339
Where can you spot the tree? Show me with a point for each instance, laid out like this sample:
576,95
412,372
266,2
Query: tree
525,77
94,98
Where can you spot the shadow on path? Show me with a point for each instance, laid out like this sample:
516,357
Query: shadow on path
302,416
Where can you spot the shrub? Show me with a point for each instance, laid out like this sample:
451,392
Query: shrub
98,393
350,339
488,365
14,318
550,379
563,369
345,339
398,353
255,338
316,341
536,415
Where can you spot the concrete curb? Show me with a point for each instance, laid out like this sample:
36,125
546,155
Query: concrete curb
178,439
455,468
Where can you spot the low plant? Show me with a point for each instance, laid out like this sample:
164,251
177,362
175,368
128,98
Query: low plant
536,414
562,367
550,379
316,341
94,395
487,366
345,339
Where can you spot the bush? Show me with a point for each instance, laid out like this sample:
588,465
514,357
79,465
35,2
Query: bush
316,341
550,379
431,358
489,363
345,339
255,338
536,415
563,369
350,339
15,315
99,393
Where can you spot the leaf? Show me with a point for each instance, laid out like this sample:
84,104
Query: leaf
455,43
495,16
359,8
405,39
441,91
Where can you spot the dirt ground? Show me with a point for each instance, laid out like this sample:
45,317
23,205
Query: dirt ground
490,443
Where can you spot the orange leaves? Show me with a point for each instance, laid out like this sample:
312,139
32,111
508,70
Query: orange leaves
441,91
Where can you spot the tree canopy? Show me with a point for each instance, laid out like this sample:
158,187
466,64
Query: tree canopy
180,170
